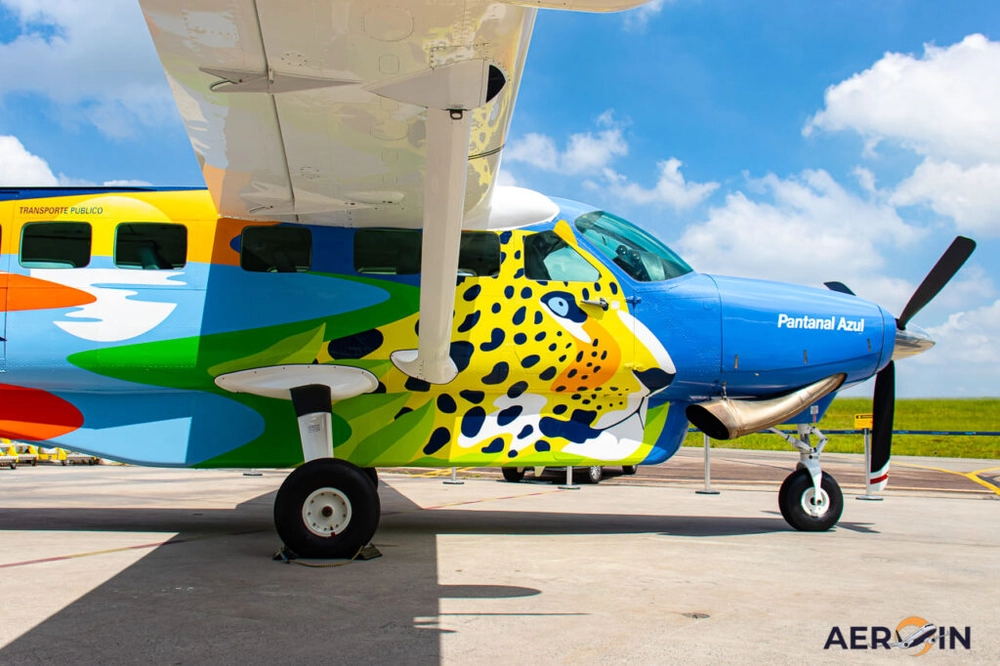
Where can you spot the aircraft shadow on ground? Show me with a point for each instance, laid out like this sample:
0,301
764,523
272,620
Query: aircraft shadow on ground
212,592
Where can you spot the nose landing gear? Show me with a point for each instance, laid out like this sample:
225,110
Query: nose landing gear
810,499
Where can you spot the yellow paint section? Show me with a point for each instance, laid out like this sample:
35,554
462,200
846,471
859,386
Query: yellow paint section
513,335
104,212
971,476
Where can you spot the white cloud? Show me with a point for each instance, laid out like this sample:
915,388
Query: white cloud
809,231
963,361
671,188
586,152
943,104
126,183
538,150
506,178
970,196
65,52
637,19
866,179
20,168
972,336
591,154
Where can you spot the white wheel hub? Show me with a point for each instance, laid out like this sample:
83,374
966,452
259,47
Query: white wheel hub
326,512
813,505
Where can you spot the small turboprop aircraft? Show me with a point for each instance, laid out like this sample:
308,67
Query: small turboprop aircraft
354,291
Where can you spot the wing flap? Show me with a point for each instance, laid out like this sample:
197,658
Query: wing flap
281,99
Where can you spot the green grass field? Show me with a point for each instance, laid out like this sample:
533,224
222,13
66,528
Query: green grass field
980,414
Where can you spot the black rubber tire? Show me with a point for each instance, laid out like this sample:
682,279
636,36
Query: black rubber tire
512,474
372,474
595,474
629,470
353,482
13,465
790,498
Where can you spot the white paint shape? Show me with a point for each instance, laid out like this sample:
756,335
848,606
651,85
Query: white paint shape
114,316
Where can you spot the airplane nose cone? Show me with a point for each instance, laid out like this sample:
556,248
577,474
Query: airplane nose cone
910,342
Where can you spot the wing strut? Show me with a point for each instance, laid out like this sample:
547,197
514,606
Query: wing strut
444,201
449,93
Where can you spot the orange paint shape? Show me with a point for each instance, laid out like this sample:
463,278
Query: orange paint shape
226,230
28,293
33,415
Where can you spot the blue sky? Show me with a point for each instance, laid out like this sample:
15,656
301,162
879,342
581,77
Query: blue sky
796,141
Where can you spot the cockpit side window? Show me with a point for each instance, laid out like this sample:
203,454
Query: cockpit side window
640,255
548,257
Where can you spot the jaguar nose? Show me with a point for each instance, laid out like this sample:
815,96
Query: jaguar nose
655,379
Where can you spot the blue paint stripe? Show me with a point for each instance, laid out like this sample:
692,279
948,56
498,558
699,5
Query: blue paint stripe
16,193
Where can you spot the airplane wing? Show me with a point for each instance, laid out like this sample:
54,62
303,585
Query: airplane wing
355,113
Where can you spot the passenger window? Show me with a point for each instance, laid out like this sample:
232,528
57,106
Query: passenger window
150,246
548,257
479,255
55,245
397,252
387,251
278,249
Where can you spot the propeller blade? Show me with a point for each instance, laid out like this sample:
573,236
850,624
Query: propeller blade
839,286
883,411
946,267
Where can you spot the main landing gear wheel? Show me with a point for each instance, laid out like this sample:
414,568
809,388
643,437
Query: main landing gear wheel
802,509
327,508
512,474
595,474
372,474
628,470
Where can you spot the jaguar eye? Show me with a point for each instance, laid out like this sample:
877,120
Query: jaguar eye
559,306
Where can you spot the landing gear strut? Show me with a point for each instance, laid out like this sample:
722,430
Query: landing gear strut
810,499
327,508
512,474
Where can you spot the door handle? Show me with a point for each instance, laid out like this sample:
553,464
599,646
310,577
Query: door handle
600,303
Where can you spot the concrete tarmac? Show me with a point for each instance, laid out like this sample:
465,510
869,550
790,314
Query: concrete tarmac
107,565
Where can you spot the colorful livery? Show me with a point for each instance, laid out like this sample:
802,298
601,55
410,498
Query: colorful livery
354,290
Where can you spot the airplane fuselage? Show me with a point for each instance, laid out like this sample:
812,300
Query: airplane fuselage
134,323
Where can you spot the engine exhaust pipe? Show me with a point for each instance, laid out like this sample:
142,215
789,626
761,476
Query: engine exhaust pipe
729,419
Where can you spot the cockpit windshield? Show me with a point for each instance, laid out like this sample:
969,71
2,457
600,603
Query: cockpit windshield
644,258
